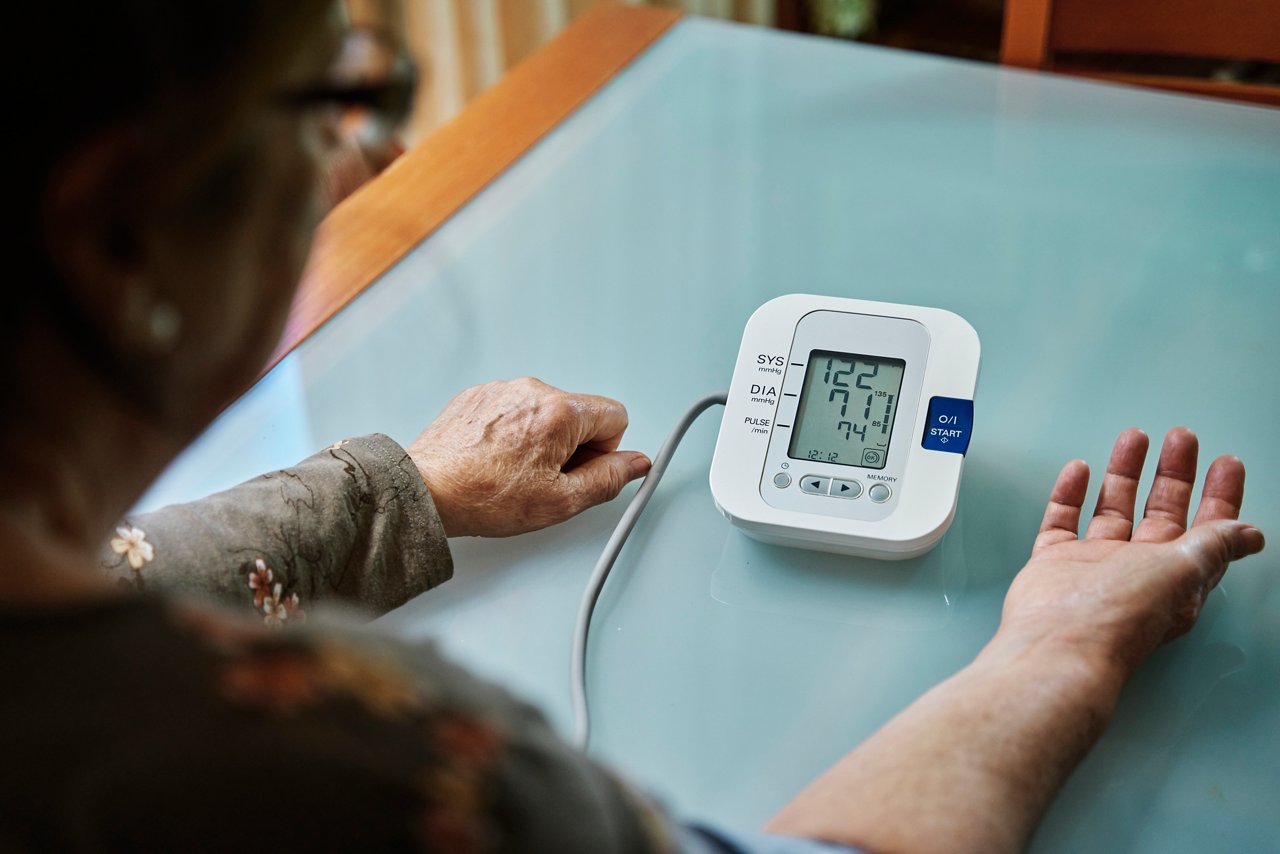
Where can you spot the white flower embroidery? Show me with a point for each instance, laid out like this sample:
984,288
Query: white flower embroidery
269,598
293,608
274,610
132,543
260,578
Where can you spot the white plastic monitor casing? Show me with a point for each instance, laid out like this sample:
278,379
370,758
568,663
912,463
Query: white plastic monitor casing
752,446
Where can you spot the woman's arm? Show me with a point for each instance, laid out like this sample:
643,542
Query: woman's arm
974,763
366,521
355,522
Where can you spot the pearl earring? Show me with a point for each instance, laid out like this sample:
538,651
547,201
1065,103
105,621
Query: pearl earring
164,324
150,323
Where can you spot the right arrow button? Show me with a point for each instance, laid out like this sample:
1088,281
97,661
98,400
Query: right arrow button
846,488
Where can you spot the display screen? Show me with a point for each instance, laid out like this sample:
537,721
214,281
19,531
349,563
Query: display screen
846,409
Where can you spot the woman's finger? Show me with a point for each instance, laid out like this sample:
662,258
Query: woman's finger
1165,517
600,421
1113,516
1062,515
1223,491
1213,545
601,478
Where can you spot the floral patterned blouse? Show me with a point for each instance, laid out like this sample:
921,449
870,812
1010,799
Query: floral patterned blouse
160,723
144,724
354,522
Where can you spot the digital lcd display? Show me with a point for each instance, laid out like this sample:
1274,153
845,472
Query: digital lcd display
846,409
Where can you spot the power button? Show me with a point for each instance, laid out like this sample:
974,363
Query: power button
949,425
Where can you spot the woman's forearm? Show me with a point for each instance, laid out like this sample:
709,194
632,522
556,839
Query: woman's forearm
970,766
354,522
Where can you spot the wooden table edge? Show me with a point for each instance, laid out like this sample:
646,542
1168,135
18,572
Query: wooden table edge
369,232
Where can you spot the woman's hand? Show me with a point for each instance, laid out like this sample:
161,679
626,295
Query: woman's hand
1116,594
973,764
515,456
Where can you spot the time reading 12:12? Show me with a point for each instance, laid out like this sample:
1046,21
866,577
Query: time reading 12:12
846,409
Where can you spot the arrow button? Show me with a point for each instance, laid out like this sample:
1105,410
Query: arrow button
815,485
846,488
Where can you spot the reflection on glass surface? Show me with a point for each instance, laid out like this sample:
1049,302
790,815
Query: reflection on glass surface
1117,251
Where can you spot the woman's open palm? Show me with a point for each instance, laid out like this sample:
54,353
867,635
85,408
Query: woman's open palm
1123,588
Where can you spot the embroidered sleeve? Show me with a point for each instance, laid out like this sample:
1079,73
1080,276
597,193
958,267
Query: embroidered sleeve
354,521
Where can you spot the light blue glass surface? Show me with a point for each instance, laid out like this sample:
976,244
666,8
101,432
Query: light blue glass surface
1118,252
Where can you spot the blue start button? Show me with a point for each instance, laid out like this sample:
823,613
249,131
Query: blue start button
949,425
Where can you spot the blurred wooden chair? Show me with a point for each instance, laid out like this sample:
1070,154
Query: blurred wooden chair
1124,40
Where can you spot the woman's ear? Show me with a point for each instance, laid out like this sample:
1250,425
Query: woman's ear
93,220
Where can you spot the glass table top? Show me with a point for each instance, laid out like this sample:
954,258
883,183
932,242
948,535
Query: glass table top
1118,252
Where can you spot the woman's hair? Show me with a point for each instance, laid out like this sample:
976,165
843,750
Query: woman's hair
184,69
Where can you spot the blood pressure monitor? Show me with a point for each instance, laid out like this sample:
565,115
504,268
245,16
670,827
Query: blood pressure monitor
846,425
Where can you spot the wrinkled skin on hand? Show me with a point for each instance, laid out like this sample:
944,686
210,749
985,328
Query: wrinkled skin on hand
514,456
1123,589
974,763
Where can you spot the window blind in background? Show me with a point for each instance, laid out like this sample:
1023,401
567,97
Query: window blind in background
464,46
